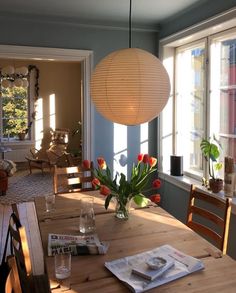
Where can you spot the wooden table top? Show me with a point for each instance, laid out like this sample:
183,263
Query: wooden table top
68,205
146,229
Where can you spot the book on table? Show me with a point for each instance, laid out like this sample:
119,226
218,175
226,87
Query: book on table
136,273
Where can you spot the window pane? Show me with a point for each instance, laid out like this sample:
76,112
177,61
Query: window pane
14,111
223,93
190,95
167,136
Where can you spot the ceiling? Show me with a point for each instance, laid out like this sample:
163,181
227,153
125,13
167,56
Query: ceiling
145,13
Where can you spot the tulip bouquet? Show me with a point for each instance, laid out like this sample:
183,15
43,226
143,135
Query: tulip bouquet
126,190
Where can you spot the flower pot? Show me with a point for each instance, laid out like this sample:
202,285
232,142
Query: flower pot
21,135
216,185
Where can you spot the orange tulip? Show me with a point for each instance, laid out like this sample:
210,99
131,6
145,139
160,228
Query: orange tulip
101,163
156,183
104,190
156,198
152,162
140,157
86,164
145,158
96,182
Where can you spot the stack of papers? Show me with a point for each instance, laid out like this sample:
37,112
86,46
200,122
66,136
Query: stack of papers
135,273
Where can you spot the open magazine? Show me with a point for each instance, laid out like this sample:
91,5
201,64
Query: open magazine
125,268
77,245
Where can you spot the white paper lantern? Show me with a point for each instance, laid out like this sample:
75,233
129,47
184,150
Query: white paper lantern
130,86
18,82
25,83
8,70
6,83
22,71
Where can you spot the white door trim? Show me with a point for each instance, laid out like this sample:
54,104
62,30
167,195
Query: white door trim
83,56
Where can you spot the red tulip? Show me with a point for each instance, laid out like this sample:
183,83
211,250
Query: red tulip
96,182
152,161
104,190
146,158
156,198
156,183
140,157
101,163
86,164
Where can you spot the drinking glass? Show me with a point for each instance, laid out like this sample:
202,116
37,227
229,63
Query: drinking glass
62,265
87,216
50,202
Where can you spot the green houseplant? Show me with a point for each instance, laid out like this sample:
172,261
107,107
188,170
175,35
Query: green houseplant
211,151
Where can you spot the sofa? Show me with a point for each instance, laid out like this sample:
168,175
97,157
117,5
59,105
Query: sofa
7,168
3,182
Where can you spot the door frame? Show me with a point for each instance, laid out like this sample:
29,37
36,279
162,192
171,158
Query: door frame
57,54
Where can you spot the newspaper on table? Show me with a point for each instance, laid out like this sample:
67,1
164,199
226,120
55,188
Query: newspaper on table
183,265
77,245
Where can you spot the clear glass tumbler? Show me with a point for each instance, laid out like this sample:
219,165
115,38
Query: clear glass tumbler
50,202
87,216
62,265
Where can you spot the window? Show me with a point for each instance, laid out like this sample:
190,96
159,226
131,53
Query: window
203,100
18,103
14,111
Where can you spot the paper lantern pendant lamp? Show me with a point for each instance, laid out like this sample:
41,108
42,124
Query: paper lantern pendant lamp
130,86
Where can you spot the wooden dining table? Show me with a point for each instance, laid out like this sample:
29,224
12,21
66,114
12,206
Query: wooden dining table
146,229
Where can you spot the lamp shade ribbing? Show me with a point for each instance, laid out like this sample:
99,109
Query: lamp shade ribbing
130,86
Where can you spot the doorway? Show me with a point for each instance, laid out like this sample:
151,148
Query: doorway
64,55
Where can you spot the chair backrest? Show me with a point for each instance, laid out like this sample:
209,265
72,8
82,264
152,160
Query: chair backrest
21,251
209,216
72,179
13,280
60,136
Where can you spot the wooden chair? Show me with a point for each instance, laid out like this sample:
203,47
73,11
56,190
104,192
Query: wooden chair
21,251
29,283
37,159
214,226
72,179
13,280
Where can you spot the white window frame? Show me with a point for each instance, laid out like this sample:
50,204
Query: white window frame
204,29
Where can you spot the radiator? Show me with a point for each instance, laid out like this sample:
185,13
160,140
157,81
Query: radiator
17,155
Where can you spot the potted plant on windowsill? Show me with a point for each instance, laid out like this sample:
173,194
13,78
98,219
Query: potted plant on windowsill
23,131
211,151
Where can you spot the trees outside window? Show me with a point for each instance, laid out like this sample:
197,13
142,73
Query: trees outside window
14,111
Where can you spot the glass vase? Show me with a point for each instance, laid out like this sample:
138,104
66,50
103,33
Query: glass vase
122,210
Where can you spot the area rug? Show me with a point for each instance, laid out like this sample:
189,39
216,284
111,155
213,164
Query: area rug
23,186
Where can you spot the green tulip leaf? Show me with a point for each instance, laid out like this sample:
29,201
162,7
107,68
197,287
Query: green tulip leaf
107,201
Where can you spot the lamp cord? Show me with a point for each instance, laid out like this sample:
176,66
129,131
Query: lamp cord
130,14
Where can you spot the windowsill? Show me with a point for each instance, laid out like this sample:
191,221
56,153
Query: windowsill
16,142
184,182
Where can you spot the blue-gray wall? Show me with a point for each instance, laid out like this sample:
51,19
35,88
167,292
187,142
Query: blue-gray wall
199,12
33,32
